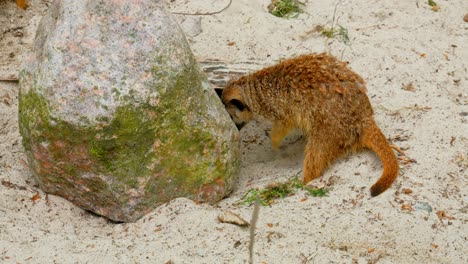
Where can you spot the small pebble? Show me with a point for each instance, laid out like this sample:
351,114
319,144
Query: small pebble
465,18
422,206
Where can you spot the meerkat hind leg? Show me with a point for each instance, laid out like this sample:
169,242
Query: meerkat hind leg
278,132
317,158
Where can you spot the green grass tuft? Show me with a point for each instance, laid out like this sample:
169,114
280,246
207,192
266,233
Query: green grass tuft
317,192
340,33
285,8
432,3
269,194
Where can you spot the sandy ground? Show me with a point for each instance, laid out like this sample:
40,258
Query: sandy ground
392,44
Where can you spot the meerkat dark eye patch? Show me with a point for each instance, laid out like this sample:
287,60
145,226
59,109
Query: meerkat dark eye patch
240,126
238,104
219,92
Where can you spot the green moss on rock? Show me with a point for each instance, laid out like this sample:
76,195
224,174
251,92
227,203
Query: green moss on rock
117,128
122,148
161,152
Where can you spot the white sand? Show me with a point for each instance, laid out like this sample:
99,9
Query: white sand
393,43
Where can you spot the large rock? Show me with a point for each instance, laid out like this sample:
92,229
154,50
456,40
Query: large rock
116,115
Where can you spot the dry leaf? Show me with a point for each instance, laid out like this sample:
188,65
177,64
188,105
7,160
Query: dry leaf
443,215
407,191
407,207
370,250
273,234
232,218
304,199
8,184
408,87
24,163
461,160
419,108
7,99
35,197
446,56
378,216
231,43
398,149
403,158
452,140
434,245
269,224
406,160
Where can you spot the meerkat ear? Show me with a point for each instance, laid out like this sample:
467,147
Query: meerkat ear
237,104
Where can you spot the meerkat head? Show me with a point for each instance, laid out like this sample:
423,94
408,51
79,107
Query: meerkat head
235,105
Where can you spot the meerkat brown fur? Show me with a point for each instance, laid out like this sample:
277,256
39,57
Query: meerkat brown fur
321,96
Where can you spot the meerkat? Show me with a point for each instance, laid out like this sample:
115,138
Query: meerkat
23,4
321,96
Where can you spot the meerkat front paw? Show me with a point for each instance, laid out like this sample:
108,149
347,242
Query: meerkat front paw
277,134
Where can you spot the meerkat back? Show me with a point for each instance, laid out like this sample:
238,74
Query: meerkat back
325,99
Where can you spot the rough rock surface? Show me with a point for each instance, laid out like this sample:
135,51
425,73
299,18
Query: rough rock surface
116,115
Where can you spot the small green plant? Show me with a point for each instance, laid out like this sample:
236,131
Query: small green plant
328,32
433,5
317,192
340,33
250,196
275,191
285,8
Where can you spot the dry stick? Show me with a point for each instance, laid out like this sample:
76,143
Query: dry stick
405,159
204,14
8,77
398,149
363,28
253,223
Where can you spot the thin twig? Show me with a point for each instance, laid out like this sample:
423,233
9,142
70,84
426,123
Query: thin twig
369,27
405,159
204,14
253,223
334,13
398,149
9,77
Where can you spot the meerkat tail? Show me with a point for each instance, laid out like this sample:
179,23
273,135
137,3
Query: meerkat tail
376,141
